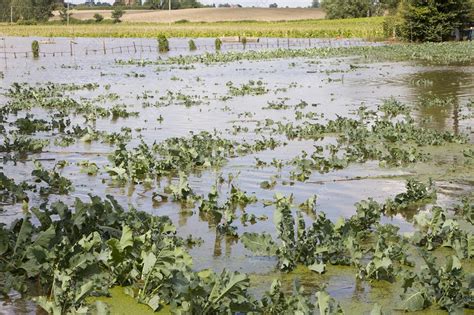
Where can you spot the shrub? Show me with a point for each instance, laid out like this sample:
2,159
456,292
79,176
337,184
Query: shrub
218,44
392,26
342,9
117,14
35,48
433,20
192,45
98,17
163,44
315,4
27,22
64,14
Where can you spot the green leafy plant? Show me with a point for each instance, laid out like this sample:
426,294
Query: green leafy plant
98,17
437,229
192,45
163,44
323,242
10,192
416,194
433,285
117,14
218,44
276,301
90,168
181,192
250,88
56,184
35,48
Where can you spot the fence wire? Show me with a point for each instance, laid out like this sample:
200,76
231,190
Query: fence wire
134,48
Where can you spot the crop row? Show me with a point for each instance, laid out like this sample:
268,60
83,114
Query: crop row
352,28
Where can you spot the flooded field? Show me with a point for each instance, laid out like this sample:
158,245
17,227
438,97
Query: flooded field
242,139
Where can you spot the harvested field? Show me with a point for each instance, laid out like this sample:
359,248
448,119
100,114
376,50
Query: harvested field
208,15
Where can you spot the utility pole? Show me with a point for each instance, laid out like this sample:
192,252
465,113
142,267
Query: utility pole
67,14
11,14
169,10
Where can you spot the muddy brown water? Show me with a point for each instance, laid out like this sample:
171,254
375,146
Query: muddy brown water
328,85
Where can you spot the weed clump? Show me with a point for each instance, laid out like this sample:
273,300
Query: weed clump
218,44
192,45
243,40
163,44
35,48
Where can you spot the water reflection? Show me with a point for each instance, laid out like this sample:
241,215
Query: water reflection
183,217
442,92
228,242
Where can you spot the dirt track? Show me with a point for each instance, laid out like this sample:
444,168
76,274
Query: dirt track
209,14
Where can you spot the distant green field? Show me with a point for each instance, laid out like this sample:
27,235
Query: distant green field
369,28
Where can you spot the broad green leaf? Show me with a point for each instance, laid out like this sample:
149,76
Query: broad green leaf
148,263
48,306
260,244
470,245
85,289
318,267
232,281
205,274
90,241
44,218
37,258
102,308
327,305
44,237
414,302
452,263
127,237
3,241
154,302
376,310
24,235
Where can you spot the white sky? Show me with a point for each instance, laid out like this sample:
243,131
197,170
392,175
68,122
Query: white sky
246,3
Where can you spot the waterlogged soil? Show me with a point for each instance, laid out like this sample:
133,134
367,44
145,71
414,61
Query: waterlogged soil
332,87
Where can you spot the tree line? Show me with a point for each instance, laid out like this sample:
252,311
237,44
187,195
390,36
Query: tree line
414,20
41,10
175,4
37,10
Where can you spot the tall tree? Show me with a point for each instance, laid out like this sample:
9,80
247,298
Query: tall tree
5,10
341,9
433,20
185,4
42,9
64,13
38,10
117,14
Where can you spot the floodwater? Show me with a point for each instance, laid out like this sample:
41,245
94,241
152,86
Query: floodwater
330,86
